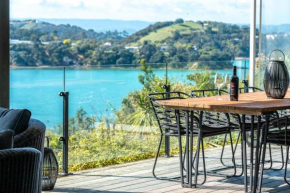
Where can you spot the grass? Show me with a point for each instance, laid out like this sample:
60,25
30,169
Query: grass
163,33
159,35
28,26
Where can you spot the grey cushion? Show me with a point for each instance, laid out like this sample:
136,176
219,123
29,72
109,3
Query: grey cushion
15,120
2,110
6,139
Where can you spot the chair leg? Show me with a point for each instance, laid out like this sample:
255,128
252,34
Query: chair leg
263,162
204,168
286,164
184,159
239,135
197,157
283,163
242,172
203,159
234,150
157,155
233,155
271,160
222,153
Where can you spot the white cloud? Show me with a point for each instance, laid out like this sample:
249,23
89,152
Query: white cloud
232,11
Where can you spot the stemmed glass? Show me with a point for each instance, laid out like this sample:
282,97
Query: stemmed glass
228,82
219,82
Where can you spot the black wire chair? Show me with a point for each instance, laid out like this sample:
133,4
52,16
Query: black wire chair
277,132
214,123
166,120
235,121
236,124
249,89
167,123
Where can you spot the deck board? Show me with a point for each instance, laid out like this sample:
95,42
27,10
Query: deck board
137,177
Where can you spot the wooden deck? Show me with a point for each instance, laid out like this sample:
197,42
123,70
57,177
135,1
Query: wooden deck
137,177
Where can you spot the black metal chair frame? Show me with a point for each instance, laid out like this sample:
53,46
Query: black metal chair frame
237,127
274,134
214,121
194,93
202,133
169,128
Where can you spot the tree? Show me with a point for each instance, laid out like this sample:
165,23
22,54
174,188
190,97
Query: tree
179,20
158,57
147,50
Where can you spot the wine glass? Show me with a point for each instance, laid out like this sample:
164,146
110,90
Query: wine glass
219,82
228,82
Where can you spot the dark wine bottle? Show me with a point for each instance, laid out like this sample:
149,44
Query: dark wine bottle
234,92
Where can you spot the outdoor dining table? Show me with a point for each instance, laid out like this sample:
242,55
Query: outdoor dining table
251,104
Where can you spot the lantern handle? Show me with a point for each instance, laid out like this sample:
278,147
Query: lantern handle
274,51
47,141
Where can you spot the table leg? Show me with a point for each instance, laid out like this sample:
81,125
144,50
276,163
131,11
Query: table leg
191,147
244,153
198,147
187,147
252,152
177,113
257,156
263,157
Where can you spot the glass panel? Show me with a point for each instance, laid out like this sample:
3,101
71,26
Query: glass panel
37,89
274,33
110,117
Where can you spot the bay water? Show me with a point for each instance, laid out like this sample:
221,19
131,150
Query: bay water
99,91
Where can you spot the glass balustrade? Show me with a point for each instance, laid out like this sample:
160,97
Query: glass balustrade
110,117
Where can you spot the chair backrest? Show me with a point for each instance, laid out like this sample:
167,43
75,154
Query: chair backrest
208,92
211,118
165,117
249,89
279,131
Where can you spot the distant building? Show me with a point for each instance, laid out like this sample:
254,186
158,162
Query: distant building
270,37
30,42
132,48
163,48
52,42
108,44
20,42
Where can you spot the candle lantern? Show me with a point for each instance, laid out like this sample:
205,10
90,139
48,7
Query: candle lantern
276,78
50,168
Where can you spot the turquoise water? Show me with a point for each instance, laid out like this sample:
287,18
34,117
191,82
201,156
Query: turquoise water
93,89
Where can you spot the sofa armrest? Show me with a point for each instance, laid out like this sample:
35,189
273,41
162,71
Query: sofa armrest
19,170
33,136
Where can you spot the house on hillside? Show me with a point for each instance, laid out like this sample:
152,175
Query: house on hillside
51,42
20,42
163,48
132,48
107,44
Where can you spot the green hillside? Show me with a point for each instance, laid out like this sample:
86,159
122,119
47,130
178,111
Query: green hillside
200,44
31,29
166,32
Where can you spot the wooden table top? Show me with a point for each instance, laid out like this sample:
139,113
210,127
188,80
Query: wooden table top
250,104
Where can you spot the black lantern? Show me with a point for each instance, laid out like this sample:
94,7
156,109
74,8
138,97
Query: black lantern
50,168
276,78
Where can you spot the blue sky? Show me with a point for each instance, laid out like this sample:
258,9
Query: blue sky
230,11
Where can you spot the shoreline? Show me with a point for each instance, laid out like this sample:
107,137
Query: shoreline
110,67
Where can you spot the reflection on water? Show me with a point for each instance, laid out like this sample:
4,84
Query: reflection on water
91,89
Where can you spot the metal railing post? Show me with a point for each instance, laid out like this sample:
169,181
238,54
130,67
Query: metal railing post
167,90
65,136
246,85
167,138
4,53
